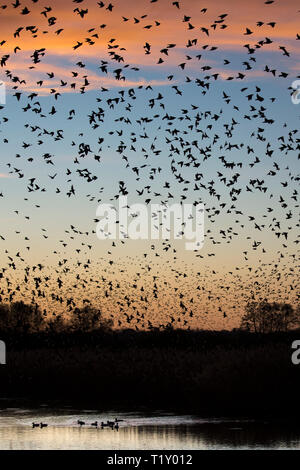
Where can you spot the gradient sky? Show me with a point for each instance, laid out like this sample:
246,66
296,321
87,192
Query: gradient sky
242,257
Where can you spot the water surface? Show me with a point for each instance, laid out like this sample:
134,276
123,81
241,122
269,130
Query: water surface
138,431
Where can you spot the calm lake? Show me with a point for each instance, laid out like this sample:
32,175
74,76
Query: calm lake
138,431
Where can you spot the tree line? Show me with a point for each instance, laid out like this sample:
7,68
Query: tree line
19,317
22,318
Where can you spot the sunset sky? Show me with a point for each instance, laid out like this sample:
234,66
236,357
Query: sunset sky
191,97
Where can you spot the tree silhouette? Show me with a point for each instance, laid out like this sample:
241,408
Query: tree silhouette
22,318
19,317
88,319
266,317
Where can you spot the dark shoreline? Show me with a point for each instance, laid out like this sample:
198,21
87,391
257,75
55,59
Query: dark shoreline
213,374
115,408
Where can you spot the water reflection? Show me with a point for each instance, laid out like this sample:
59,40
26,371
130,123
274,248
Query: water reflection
138,431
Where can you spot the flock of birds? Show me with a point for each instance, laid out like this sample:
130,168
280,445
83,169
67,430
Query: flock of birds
157,142
112,424
109,424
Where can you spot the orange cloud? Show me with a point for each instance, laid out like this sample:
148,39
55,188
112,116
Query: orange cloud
130,36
